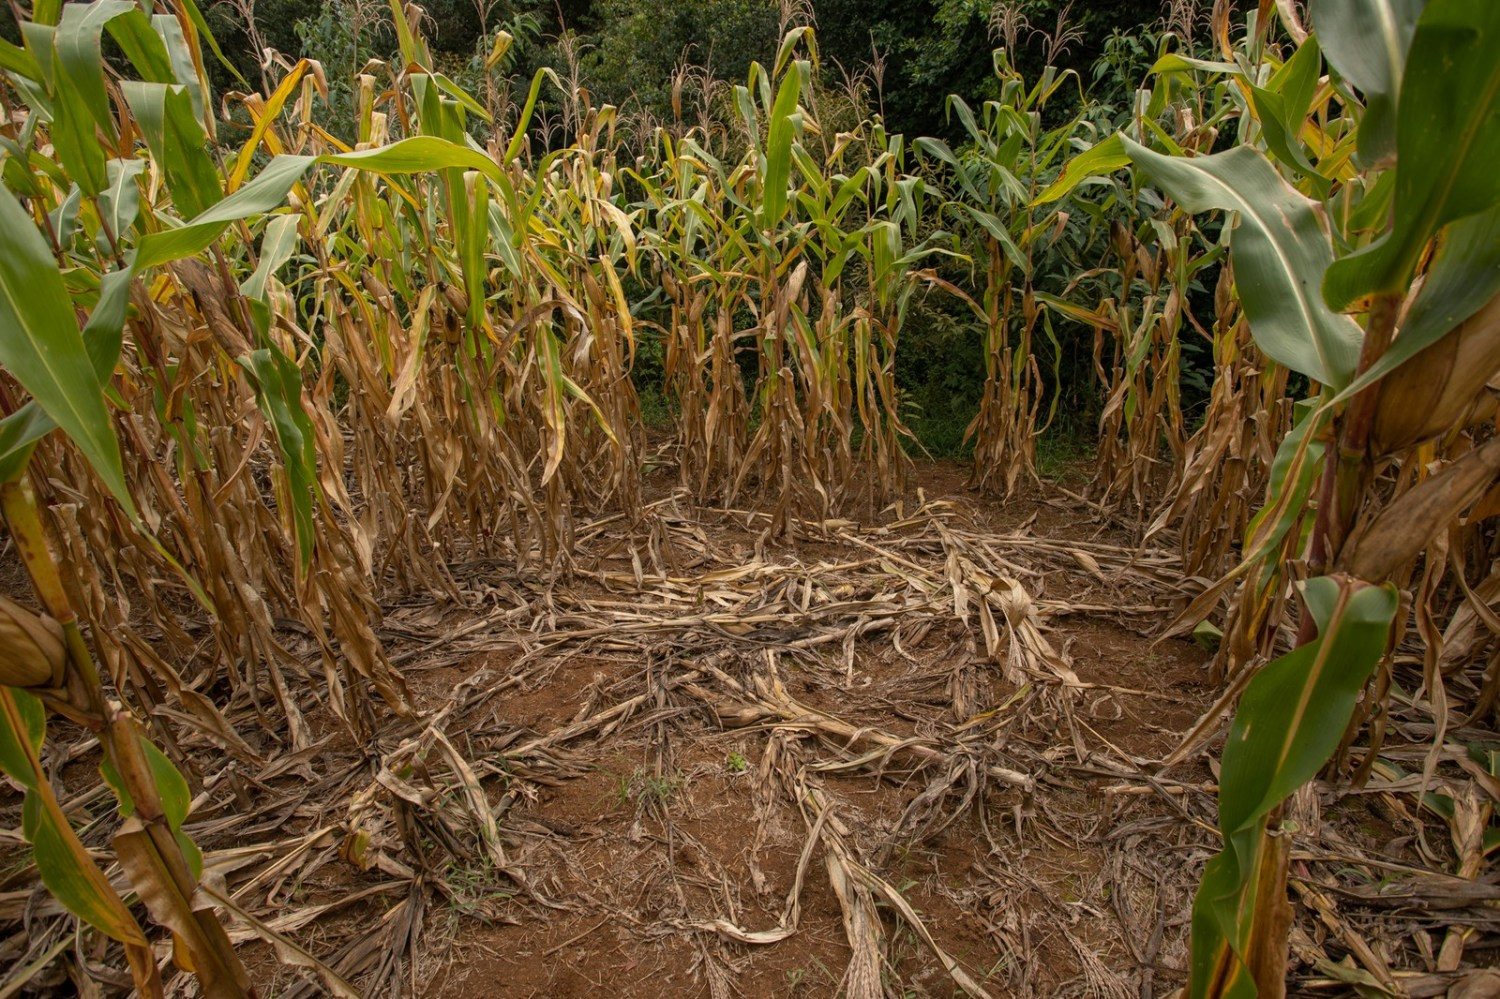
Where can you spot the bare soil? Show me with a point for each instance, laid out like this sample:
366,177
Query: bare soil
912,757
681,817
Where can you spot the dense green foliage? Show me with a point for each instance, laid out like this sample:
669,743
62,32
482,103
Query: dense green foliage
914,53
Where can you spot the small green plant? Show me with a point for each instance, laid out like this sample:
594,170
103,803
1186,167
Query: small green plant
473,888
642,786
737,763
806,980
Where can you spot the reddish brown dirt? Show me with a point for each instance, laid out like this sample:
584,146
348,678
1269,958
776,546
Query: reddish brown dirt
632,841
1077,889
638,853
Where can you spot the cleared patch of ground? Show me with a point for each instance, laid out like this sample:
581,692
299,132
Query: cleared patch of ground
901,760
918,757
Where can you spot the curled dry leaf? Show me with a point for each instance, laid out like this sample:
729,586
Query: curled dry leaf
1399,532
32,649
1447,386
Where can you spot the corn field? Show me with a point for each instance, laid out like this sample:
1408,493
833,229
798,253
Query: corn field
319,459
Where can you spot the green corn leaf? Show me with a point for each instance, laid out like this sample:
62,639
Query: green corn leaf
789,42
849,189
15,59
812,174
1281,250
460,95
963,171
518,137
104,332
265,193
66,869
137,35
184,68
1099,160
75,138
68,872
80,55
1367,41
43,348
1463,276
503,240
200,27
413,48
177,142
1282,108
419,154
172,789
1296,80
993,225
278,391
1293,471
21,430
276,248
744,102
39,39
120,201
1448,142
1289,722
20,171
65,219
784,125
476,233
19,433
23,726
82,101
1174,62
1294,712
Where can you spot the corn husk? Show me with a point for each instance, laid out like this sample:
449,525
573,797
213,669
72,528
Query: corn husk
32,649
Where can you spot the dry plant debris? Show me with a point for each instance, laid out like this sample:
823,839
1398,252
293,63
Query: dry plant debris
919,758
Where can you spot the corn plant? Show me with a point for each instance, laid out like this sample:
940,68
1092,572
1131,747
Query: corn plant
65,370
204,451
1360,253
996,179
788,275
